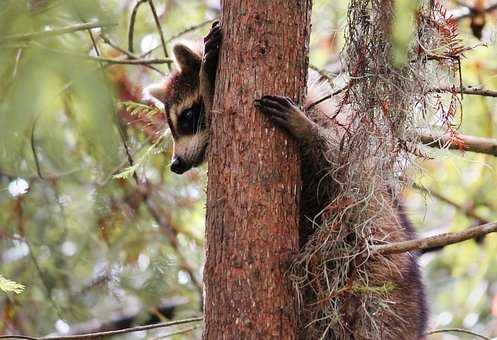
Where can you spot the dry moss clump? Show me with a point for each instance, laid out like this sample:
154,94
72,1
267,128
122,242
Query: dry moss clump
385,105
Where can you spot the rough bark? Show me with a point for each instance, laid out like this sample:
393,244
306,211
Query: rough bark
254,173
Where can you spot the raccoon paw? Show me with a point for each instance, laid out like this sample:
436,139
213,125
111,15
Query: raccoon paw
212,42
284,113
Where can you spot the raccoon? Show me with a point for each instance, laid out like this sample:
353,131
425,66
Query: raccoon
186,95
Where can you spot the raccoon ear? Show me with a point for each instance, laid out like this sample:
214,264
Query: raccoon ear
154,95
186,59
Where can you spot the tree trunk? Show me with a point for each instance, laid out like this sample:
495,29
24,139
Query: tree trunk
254,173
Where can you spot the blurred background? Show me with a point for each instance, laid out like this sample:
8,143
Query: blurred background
96,233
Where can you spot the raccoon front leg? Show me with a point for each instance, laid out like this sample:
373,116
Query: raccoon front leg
284,113
212,43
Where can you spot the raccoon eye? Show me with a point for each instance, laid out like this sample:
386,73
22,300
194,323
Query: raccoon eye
186,122
190,120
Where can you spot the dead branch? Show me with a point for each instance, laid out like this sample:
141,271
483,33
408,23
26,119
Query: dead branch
159,29
109,60
457,330
440,240
107,333
469,90
127,53
464,143
132,61
130,318
131,29
51,33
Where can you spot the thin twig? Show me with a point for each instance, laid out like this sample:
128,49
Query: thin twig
107,333
94,42
43,279
456,330
108,60
340,90
109,42
131,29
128,317
187,30
131,61
51,33
464,142
469,90
33,148
440,240
127,53
159,28
470,212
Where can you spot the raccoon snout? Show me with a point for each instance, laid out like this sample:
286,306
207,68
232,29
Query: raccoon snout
179,166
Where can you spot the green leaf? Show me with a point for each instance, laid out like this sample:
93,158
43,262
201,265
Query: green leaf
136,109
9,286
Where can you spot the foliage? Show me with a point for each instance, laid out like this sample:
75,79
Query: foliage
9,286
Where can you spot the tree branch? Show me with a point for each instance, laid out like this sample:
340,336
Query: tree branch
33,148
470,212
51,33
127,53
469,90
467,143
159,28
110,60
131,29
440,240
107,333
457,330
131,61
131,317
187,30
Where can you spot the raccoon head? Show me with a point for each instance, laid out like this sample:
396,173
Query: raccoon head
180,98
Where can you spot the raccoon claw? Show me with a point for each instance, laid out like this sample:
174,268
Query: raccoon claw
212,42
215,28
277,109
284,113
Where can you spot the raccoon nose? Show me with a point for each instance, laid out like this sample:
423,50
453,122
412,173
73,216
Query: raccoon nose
179,166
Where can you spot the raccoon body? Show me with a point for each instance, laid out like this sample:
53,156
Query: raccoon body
186,95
